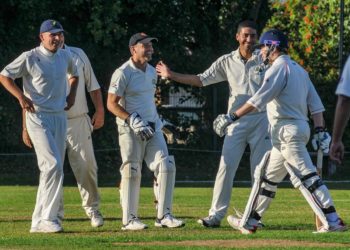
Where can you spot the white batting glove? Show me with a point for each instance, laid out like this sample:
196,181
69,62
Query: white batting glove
141,128
221,123
321,140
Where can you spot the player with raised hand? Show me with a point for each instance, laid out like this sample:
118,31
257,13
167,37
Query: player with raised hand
244,70
131,100
288,94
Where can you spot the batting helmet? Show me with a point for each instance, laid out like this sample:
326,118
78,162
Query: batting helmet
274,37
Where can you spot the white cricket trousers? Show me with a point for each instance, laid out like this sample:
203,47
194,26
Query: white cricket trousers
82,160
48,132
133,153
252,130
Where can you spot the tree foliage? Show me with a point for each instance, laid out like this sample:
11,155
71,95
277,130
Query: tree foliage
313,30
191,33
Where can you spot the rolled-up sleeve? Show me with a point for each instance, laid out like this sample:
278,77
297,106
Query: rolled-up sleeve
214,74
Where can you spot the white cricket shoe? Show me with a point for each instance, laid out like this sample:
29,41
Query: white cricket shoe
96,218
234,222
134,224
46,226
336,226
210,221
169,221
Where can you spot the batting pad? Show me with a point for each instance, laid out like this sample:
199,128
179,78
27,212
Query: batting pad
130,190
164,186
311,199
254,194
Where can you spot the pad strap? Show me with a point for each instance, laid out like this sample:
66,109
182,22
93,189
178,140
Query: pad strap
268,193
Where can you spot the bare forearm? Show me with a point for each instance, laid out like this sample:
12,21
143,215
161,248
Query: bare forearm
114,107
245,109
318,120
192,80
73,82
341,117
11,87
96,97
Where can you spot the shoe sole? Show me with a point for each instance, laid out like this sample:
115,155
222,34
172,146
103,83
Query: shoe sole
165,226
205,224
129,229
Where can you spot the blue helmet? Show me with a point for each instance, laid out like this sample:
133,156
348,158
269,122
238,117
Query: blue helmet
274,37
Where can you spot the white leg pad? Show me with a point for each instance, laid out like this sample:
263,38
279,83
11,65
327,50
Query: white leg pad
254,194
164,186
130,190
297,183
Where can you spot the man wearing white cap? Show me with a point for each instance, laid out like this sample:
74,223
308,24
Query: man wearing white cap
44,100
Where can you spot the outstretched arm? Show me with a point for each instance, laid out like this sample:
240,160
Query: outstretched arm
164,71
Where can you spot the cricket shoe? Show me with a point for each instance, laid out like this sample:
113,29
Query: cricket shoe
169,221
96,218
239,215
336,226
134,224
235,223
46,226
210,221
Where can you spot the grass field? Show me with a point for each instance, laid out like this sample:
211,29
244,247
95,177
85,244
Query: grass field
289,223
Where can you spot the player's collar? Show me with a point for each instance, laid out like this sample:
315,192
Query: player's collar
45,51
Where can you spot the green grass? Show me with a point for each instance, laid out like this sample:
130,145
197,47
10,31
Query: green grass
289,220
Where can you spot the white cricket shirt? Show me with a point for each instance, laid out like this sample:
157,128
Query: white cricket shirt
287,92
344,83
44,77
244,78
87,79
137,89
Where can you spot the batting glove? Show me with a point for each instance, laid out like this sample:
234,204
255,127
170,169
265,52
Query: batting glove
141,128
222,122
321,140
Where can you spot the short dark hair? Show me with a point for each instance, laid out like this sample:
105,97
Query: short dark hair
246,24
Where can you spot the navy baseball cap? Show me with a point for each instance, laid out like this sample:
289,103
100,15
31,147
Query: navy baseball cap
51,26
140,38
273,37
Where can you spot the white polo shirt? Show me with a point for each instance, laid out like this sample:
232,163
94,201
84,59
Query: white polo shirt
137,89
344,83
87,79
44,77
288,92
244,78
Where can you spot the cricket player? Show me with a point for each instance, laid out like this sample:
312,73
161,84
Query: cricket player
342,114
44,100
79,142
244,71
288,94
131,100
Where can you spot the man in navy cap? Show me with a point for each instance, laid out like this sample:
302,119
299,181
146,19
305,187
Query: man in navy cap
131,100
44,70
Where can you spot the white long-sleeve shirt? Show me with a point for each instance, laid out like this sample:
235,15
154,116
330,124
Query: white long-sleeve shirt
287,92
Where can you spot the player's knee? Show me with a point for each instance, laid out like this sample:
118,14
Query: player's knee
312,182
167,165
131,170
